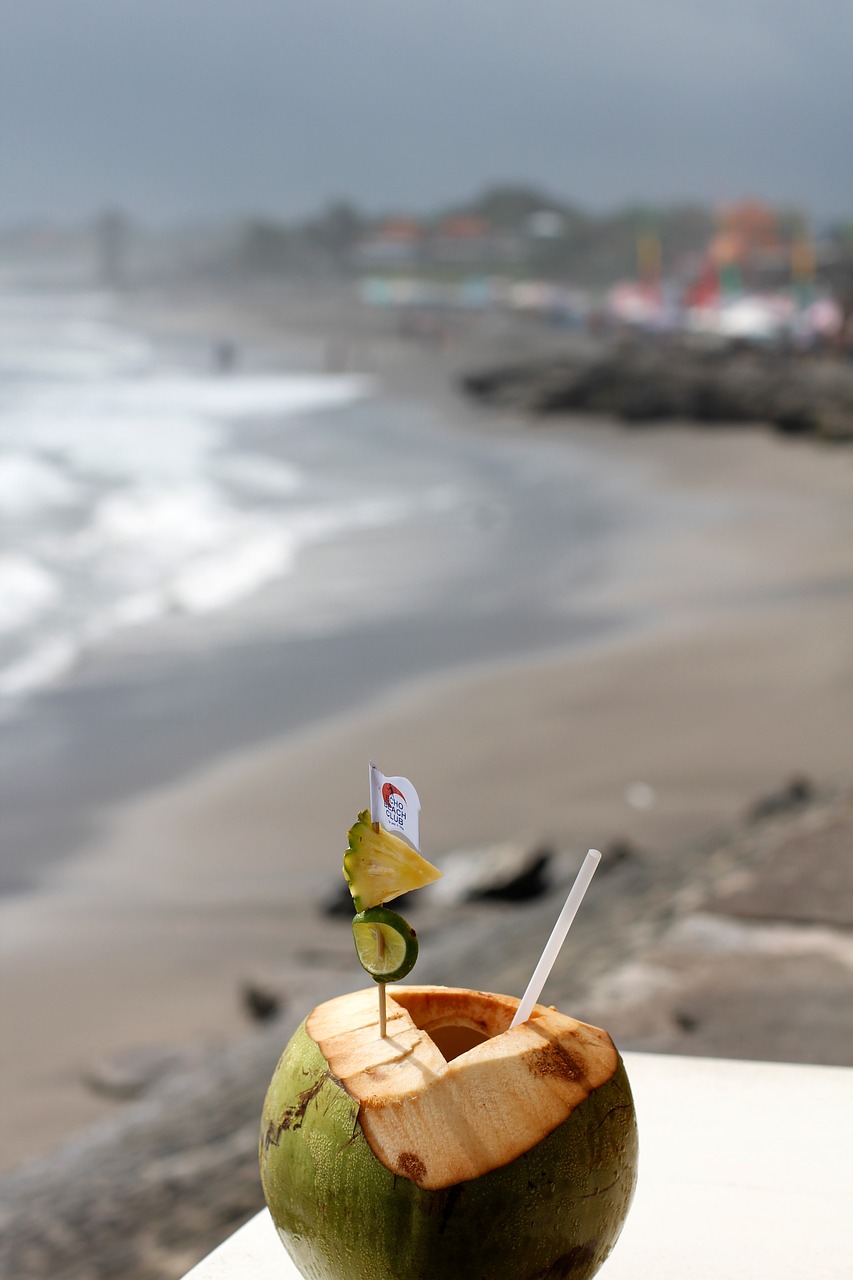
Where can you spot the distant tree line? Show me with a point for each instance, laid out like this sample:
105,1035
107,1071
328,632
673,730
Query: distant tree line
508,230
580,247
530,234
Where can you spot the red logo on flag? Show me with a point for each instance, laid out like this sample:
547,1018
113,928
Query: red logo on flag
389,790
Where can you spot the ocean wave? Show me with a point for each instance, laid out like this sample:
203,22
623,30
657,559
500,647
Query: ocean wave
204,395
257,474
160,426
41,339
44,664
26,592
127,492
195,566
30,485
164,523
135,610
235,396
97,444
233,573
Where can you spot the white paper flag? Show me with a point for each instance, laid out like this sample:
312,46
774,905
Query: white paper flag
395,805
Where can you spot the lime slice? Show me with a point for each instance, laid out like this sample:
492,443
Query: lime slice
386,945
379,866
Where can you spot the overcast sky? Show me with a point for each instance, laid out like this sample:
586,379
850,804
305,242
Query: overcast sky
175,109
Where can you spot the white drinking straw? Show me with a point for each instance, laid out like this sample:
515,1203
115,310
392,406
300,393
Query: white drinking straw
557,938
374,822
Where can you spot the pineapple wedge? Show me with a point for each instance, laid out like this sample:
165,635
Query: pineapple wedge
379,866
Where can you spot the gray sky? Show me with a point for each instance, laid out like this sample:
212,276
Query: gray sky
185,108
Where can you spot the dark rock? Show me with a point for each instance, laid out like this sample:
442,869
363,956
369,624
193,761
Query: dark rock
408,902
531,881
338,904
645,381
261,1001
618,854
796,793
148,1192
685,1021
806,877
500,382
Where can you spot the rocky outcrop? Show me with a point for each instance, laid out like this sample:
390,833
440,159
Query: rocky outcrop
760,965
652,381
147,1193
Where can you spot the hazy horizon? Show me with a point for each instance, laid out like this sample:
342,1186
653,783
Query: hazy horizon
205,110
211,222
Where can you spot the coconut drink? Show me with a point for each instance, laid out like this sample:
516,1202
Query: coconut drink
437,1131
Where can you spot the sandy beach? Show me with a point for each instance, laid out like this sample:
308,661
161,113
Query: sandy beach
736,676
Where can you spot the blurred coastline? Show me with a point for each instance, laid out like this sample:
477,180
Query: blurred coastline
197,558
573,633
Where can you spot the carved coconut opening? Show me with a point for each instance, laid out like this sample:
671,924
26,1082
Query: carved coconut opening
455,1021
428,1117
454,1040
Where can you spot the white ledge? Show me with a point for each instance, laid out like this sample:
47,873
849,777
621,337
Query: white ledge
746,1172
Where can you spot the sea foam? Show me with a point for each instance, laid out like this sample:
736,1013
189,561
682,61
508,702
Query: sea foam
125,491
29,485
26,591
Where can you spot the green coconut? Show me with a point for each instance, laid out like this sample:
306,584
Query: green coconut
454,1147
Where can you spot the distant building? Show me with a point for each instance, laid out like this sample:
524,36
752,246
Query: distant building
467,240
461,240
397,242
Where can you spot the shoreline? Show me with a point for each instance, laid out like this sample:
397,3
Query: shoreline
60,734
725,688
